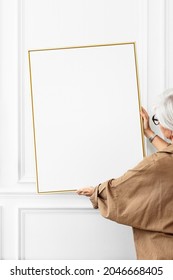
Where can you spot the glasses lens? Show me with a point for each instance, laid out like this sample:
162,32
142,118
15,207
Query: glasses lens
155,120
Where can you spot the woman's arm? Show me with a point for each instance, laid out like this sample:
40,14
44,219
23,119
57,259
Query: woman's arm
157,142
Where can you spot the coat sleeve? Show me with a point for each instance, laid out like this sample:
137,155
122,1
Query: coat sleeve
130,199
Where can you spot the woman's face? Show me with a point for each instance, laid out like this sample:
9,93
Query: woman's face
166,132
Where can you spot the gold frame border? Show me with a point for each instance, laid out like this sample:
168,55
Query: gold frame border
32,101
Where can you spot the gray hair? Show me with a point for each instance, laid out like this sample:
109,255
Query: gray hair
164,109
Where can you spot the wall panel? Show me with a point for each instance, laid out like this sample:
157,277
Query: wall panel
72,234
110,27
1,233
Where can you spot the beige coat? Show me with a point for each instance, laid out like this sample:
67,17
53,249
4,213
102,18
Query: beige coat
143,198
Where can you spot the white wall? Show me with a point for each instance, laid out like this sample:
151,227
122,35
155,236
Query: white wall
66,226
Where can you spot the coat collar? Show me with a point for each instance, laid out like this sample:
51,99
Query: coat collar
168,149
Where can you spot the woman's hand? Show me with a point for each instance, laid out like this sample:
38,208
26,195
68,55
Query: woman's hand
85,191
146,125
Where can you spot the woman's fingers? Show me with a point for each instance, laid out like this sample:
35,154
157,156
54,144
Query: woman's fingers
146,122
85,191
144,113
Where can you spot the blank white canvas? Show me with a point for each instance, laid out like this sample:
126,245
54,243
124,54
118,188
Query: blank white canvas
86,112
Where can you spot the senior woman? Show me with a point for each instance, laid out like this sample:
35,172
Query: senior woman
143,197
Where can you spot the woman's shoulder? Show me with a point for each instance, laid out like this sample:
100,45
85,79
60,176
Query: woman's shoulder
159,157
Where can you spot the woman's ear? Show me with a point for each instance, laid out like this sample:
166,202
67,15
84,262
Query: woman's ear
171,136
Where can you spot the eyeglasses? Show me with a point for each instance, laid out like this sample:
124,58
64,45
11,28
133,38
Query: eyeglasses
155,120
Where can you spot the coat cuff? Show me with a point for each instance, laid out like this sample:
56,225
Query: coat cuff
94,198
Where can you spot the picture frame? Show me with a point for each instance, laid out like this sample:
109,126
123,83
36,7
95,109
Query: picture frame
85,114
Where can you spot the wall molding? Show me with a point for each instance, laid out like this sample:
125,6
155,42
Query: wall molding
143,46
1,233
22,178
168,44
18,192
21,116
22,212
